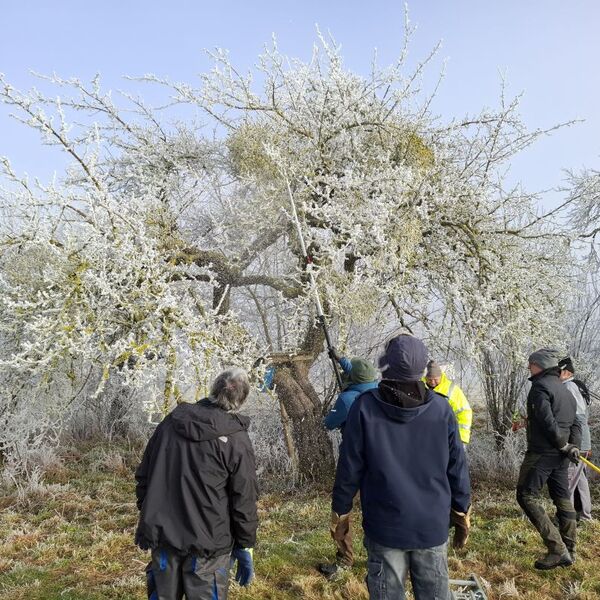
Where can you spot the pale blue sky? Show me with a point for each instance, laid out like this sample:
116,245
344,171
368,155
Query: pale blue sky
548,48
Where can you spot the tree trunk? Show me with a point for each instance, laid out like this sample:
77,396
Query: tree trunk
503,383
312,445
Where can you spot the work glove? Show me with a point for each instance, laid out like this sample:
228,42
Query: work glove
333,354
340,524
571,451
462,526
245,565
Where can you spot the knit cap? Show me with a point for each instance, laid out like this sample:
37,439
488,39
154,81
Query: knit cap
433,370
546,358
566,364
404,359
363,371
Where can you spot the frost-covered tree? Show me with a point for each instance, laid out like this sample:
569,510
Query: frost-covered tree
583,321
583,201
169,249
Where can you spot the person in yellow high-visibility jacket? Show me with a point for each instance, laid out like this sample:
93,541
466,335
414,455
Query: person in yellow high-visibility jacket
439,382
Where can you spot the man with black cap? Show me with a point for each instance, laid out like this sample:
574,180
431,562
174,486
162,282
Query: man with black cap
579,488
402,450
553,438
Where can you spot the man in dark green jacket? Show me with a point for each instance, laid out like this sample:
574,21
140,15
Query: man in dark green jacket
553,438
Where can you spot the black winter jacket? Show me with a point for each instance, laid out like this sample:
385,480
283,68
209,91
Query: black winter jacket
551,412
196,485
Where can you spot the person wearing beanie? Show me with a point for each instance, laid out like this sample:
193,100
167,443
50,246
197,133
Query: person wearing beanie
359,376
402,450
441,384
579,487
553,439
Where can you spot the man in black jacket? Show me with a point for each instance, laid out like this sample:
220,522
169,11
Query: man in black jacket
553,438
196,492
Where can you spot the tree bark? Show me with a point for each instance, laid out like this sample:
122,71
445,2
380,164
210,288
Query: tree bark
312,445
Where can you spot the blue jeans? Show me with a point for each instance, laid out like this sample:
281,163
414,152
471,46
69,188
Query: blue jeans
389,567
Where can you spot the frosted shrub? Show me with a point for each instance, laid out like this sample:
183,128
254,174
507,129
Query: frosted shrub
274,466
487,462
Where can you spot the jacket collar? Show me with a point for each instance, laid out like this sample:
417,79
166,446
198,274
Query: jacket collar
552,371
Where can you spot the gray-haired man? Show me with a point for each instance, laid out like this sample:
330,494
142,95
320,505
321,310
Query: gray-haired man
196,492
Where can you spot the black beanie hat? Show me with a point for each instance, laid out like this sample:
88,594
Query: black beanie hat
566,364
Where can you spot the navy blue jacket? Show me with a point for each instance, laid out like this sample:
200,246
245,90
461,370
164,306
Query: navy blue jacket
336,417
409,465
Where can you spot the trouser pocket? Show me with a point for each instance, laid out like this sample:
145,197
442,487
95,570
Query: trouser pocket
376,579
206,578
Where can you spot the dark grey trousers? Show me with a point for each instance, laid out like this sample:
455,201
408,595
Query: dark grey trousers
536,471
170,576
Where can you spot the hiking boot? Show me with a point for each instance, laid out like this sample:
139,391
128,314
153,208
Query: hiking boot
330,570
552,560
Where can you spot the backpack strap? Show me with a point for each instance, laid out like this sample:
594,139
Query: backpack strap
585,392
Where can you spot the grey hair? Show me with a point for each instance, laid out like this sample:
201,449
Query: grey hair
230,389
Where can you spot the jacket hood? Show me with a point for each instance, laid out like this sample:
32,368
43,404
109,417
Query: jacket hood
404,359
390,399
205,421
361,387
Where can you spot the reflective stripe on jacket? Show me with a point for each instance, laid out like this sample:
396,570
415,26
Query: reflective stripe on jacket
460,405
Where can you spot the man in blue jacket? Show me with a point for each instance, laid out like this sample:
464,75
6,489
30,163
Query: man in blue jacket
402,450
360,376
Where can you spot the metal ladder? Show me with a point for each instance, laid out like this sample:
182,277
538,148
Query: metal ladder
467,589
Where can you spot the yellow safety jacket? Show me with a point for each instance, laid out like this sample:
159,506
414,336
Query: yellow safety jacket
459,404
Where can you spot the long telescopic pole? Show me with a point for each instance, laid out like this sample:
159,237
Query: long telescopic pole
590,464
313,284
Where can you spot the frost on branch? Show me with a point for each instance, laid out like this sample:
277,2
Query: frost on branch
167,250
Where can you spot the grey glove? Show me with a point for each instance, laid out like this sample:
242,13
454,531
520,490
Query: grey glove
571,451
